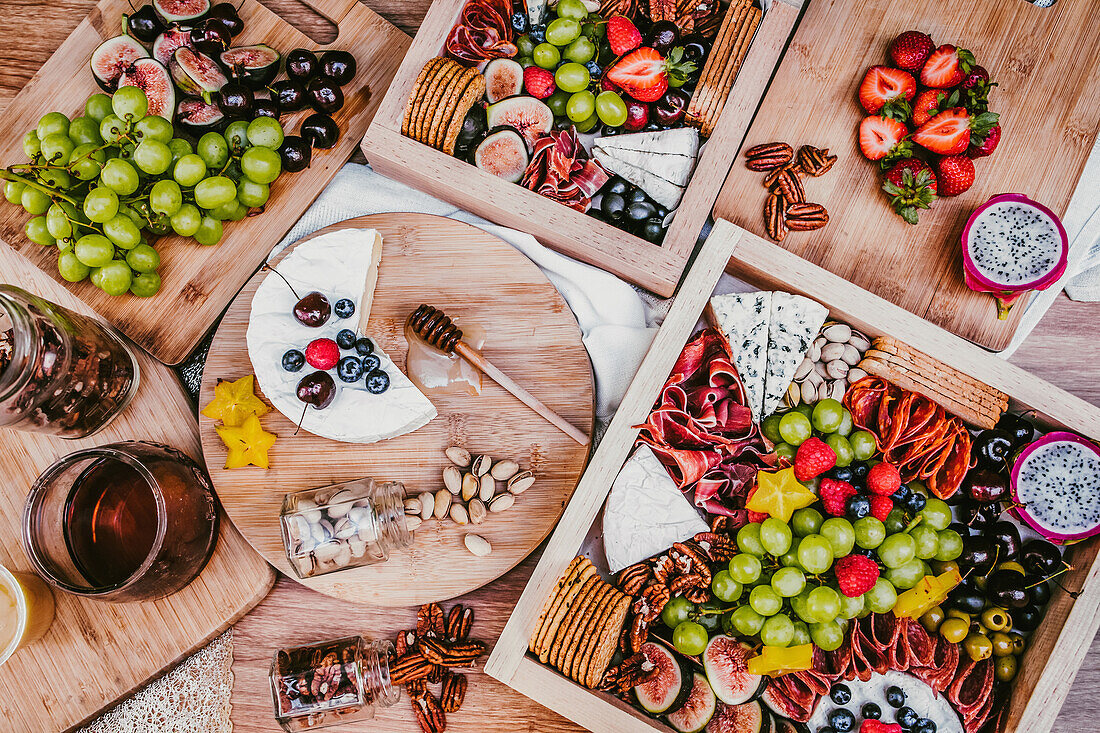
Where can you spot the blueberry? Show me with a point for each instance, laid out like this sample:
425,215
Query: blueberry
901,495
924,725
895,696
594,69
370,363
859,506
841,694
294,360
345,339
349,369
915,502
860,469
378,382
842,720
870,711
364,347
519,22
864,552
344,308
844,474
538,33
906,717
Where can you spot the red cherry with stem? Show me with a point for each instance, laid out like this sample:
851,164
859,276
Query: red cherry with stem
637,115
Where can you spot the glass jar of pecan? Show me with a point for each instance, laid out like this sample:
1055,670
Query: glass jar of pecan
333,682
60,372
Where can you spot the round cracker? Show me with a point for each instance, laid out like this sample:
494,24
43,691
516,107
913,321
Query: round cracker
448,71
572,618
550,630
588,615
414,95
552,598
474,91
446,110
609,642
589,637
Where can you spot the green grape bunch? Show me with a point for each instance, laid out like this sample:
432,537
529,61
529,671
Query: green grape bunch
100,187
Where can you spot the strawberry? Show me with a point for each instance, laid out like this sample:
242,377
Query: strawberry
888,90
538,82
948,133
930,102
881,136
855,575
883,479
834,495
622,35
978,75
877,726
813,458
881,506
910,50
322,354
946,67
955,174
911,185
981,147
644,73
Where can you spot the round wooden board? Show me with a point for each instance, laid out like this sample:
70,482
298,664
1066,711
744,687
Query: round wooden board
532,335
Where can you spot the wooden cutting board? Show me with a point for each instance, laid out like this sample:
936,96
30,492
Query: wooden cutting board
198,282
1047,63
532,336
97,652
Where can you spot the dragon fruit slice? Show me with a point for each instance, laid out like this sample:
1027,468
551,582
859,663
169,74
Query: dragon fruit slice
1056,487
1012,245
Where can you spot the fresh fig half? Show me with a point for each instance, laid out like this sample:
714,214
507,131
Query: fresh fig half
749,717
726,662
503,153
697,710
196,74
167,42
150,76
667,688
181,11
503,79
531,117
254,66
113,57
198,117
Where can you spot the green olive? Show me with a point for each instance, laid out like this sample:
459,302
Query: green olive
954,629
961,615
995,619
1019,643
1004,669
1012,565
932,618
1002,644
978,647
944,566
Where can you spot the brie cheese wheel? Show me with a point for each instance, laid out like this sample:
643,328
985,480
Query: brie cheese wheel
645,513
794,324
662,191
918,695
743,318
339,265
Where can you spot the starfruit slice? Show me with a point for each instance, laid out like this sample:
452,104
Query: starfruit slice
779,494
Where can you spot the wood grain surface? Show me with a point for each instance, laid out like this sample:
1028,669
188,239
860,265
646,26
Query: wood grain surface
1068,335
1048,113
197,281
103,649
531,335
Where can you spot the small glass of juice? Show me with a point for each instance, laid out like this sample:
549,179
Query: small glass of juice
26,611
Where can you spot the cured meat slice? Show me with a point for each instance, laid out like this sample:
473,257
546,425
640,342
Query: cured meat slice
943,664
972,685
483,32
787,698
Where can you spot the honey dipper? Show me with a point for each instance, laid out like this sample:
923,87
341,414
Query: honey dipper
433,325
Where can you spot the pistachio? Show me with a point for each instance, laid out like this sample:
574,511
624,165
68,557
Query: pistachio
836,389
481,465
487,489
338,505
502,502
794,394
412,505
855,374
452,479
837,369
851,355
837,333
832,352
413,522
815,349
359,547
427,505
804,368
458,456
819,370
809,392
823,391
470,486
442,503
459,515
477,545
521,482
477,511
860,342
504,470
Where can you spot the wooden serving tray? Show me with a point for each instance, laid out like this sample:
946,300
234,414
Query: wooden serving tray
531,335
97,652
1055,650
656,267
197,281
1047,64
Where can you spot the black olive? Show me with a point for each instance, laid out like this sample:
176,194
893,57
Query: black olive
637,195
613,206
966,598
301,64
617,185
1026,619
295,153
340,65
639,211
653,230
320,131
1038,591
289,95
324,94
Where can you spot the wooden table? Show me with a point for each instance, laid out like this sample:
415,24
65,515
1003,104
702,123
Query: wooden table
1068,335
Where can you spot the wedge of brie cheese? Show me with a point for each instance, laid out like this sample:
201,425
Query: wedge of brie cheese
660,162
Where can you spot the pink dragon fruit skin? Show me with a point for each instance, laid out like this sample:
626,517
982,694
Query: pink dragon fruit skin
1054,489
1005,293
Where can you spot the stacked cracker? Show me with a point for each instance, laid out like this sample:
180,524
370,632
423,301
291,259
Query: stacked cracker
958,393
442,94
579,627
725,59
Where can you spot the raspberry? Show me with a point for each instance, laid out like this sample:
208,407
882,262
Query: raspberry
622,35
855,574
813,458
322,354
877,726
757,517
883,479
538,82
881,506
834,494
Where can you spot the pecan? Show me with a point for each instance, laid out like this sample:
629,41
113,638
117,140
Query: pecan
416,688
639,632
774,220
466,625
720,524
405,641
789,184
411,666
664,569
652,601
815,161
634,578
685,582
699,558
436,675
697,595
454,622
768,156
662,10
326,678
625,647
771,179
429,714
458,654
437,621
453,692
618,7
804,217
719,547
635,670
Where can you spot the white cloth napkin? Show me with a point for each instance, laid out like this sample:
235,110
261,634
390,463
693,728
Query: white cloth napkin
616,323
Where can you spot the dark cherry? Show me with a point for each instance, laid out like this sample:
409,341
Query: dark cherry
324,95
978,555
1005,588
226,14
235,100
1038,591
991,448
1006,537
312,310
663,36
210,38
289,95
144,25
338,64
695,49
295,153
1026,619
977,516
1020,430
966,597
637,115
301,64
1040,557
985,486
317,389
265,108
669,109
320,131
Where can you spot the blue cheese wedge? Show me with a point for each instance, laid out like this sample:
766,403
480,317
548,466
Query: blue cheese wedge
743,318
645,513
794,323
340,264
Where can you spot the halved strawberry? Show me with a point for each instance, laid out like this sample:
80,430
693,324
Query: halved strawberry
644,73
948,133
910,50
929,102
880,136
622,35
911,185
983,146
887,91
955,174
946,67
